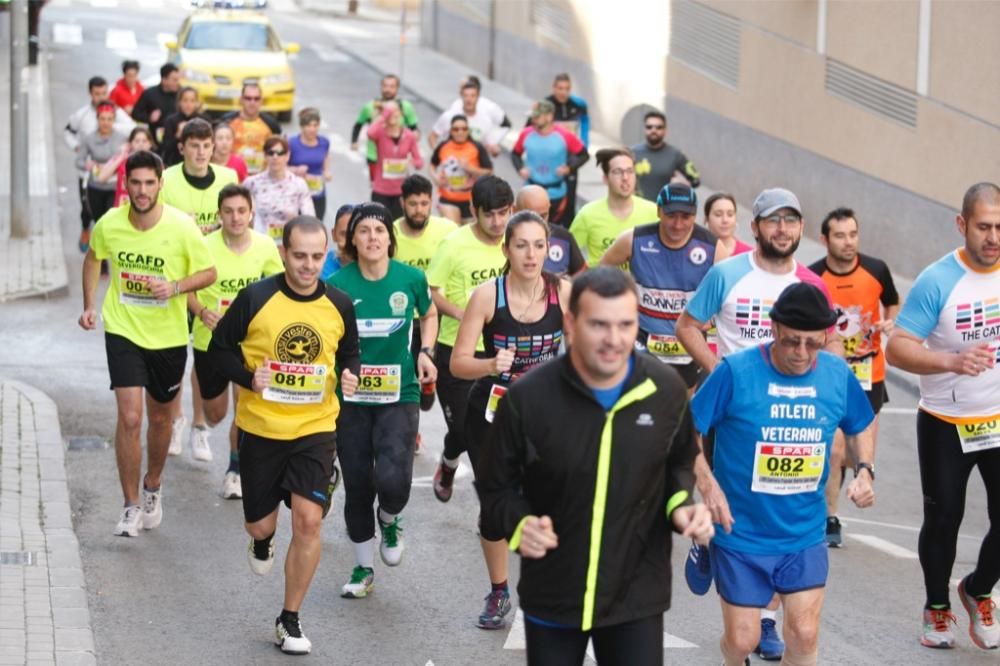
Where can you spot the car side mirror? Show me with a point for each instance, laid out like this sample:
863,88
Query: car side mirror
292,47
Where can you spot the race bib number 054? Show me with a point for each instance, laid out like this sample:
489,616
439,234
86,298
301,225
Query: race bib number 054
295,383
787,469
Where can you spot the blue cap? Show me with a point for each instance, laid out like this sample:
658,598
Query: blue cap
677,198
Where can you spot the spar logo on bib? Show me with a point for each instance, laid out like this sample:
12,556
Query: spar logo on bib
298,343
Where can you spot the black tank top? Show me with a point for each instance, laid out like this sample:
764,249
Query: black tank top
533,343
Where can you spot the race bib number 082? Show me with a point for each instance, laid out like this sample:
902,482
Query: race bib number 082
787,469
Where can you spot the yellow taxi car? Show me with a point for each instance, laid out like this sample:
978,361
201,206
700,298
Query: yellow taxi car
219,50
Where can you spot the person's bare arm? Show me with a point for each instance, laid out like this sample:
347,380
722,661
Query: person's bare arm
907,352
620,251
689,332
445,306
464,363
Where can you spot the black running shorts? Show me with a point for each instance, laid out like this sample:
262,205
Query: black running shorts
159,371
272,470
878,396
211,382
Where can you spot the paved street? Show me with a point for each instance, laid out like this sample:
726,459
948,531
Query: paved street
183,594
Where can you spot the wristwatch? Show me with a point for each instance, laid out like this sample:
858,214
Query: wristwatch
864,465
429,351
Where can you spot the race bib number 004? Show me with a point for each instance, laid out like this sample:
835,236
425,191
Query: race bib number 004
979,436
863,372
377,384
787,469
295,383
668,349
134,289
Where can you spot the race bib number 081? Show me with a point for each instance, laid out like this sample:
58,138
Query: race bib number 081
295,383
787,469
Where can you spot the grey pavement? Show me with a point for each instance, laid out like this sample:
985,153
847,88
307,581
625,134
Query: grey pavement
44,615
35,265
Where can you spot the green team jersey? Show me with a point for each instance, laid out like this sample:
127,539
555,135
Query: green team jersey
368,114
596,228
171,250
383,310
233,272
462,263
201,205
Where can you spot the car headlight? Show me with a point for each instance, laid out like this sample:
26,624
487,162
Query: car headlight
276,79
195,76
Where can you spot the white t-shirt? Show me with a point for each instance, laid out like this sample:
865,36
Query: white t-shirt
484,125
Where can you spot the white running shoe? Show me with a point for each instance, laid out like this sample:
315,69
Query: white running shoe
200,448
152,508
128,524
361,584
984,627
937,633
176,433
232,488
391,546
261,567
289,637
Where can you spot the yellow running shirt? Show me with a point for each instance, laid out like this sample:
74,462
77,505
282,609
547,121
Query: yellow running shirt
171,250
595,227
201,205
417,252
233,272
462,263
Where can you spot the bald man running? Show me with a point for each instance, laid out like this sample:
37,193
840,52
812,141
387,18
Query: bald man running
565,257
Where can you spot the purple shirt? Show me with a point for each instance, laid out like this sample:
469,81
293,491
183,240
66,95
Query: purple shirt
312,157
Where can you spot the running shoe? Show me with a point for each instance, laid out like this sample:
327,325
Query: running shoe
331,487
176,433
937,633
257,565
444,482
834,539
418,447
391,547
361,584
84,242
496,609
200,448
152,508
289,637
128,524
232,486
771,647
984,629
698,570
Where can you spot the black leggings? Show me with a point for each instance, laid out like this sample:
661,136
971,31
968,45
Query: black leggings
454,396
636,643
944,477
393,203
375,447
101,201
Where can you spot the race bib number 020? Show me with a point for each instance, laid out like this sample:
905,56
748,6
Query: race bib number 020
134,289
979,436
377,383
295,383
787,469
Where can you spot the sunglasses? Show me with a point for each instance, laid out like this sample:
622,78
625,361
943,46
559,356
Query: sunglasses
276,153
812,344
255,98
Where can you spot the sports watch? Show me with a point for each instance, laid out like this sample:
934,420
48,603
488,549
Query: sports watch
864,465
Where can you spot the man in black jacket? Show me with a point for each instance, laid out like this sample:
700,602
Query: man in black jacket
588,467
159,101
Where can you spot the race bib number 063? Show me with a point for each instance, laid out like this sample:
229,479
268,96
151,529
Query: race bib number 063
295,383
377,383
787,469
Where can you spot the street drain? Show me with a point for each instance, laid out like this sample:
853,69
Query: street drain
17,558
87,443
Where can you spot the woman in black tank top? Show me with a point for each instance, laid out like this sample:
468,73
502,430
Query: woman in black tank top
518,316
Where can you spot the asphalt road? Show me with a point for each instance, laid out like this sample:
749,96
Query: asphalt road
184,594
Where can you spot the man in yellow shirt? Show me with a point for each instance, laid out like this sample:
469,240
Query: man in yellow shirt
600,222
156,255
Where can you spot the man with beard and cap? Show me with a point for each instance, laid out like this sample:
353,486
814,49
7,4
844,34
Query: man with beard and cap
774,409
738,294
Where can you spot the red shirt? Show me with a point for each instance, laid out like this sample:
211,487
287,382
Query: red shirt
237,164
123,97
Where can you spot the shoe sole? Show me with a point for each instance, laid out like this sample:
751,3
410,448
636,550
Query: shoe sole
152,526
202,458
936,646
972,634
127,534
440,498
388,563
354,595
491,626
232,496
281,647
769,657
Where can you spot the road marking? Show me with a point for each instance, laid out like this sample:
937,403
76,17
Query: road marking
516,641
341,30
104,4
120,40
327,54
897,526
909,411
67,33
886,547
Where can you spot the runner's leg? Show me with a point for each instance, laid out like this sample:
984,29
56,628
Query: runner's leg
128,451
303,551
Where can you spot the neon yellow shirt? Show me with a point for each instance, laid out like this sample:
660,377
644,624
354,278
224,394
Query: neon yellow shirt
201,205
233,272
595,227
417,252
462,263
171,250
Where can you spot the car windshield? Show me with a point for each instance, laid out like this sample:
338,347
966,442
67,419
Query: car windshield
231,36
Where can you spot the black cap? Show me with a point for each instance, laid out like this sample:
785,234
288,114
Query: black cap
368,210
804,307
677,198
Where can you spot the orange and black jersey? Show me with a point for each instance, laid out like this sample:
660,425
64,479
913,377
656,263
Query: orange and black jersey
305,339
856,295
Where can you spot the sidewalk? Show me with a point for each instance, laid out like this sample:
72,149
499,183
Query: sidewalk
44,617
31,266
